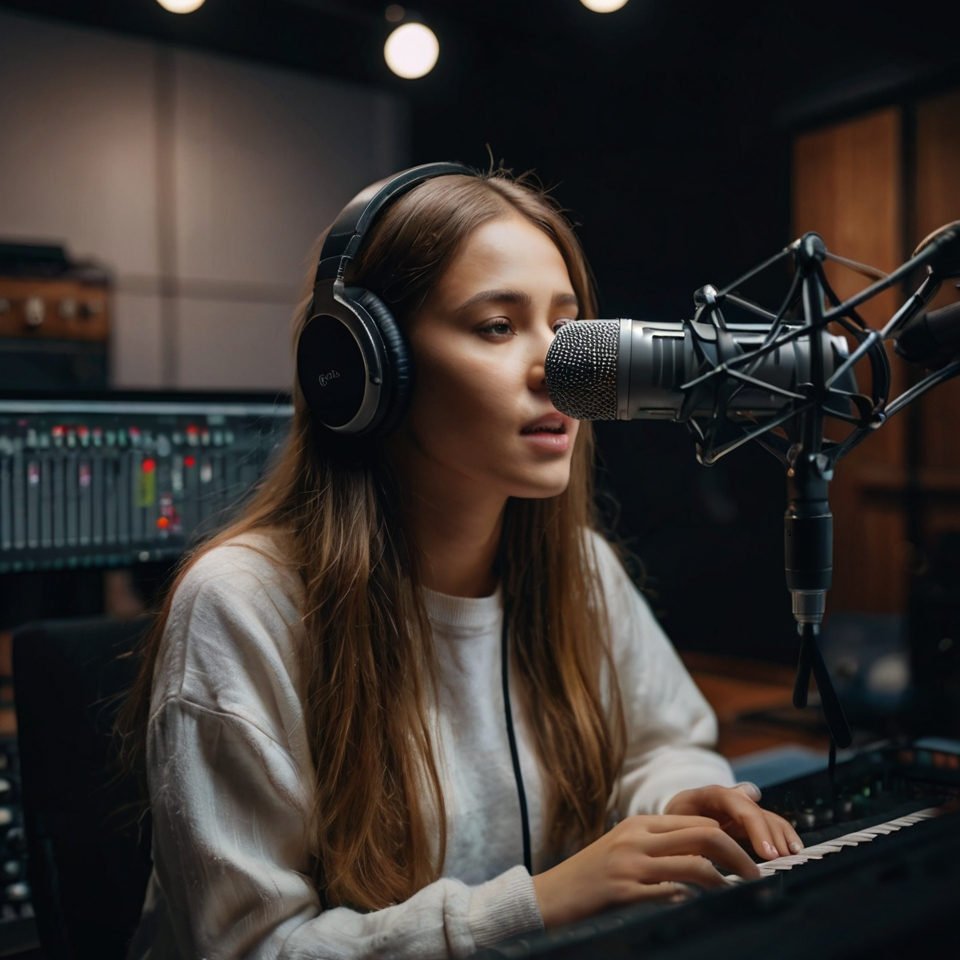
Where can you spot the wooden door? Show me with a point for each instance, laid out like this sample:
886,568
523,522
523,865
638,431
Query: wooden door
901,488
847,187
938,202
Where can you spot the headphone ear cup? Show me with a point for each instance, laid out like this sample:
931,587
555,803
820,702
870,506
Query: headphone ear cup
399,362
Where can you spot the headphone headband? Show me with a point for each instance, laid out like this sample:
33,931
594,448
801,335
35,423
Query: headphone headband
347,233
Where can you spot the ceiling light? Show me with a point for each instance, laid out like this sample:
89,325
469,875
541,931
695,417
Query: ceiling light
180,6
603,6
411,51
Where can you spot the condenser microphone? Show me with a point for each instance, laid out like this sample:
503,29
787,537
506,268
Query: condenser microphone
635,370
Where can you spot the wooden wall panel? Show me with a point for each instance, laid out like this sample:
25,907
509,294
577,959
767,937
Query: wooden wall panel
847,186
938,202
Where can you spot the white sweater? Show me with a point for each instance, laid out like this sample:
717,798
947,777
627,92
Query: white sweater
231,776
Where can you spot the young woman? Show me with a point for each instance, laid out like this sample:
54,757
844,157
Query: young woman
321,704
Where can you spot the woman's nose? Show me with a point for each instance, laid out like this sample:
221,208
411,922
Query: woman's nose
537,376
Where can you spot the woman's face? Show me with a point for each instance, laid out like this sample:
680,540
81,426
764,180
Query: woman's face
480,412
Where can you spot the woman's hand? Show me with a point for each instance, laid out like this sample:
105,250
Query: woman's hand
736,811
643,857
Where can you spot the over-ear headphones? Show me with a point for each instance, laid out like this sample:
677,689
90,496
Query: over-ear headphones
353,364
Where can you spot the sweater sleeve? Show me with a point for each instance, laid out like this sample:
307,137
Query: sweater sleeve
670,726
230,848
231,788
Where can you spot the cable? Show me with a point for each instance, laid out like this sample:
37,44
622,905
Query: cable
511,736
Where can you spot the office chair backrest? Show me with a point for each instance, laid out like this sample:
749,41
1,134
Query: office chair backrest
89,860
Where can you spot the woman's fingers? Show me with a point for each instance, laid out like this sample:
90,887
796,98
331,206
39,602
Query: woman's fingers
656,890
668,822
705,842
769,835
682,869
789,840
750,790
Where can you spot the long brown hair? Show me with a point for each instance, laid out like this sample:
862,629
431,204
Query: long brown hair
366,657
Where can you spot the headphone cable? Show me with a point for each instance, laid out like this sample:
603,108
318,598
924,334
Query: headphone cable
511,736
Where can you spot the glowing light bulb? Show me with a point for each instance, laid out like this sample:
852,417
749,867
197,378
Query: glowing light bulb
603,6
180,6
411,51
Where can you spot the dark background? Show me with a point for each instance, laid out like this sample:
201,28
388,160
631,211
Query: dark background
665,129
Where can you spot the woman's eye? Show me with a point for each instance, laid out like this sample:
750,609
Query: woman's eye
562,322
498,328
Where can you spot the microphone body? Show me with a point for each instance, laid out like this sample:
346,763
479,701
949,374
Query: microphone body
635,370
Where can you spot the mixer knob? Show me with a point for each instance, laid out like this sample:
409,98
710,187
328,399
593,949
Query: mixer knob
18,891
16,840
34,310
12,869
824,816
67,308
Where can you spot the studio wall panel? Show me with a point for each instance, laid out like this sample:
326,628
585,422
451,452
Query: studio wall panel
135,350
265,160
77,147
190,176
237,345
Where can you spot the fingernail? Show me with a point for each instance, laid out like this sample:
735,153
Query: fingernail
795,846
769,849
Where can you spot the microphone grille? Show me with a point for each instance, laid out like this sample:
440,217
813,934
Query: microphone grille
581,369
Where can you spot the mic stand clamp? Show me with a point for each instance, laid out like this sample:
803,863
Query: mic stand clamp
808,560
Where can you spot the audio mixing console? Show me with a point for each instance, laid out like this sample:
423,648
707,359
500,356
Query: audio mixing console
132,478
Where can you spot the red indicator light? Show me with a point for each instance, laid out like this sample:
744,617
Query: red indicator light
192,429
149,466
58,431
162,523
189,461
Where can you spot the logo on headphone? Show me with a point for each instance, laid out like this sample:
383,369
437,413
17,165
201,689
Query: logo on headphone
325,378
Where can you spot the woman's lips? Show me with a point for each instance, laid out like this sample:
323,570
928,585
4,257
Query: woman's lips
549,433
552,442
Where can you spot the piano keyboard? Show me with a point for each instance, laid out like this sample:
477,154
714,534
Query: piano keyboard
820,850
